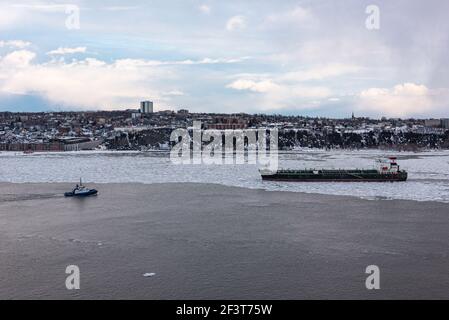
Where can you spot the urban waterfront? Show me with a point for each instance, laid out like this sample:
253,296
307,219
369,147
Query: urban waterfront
135,129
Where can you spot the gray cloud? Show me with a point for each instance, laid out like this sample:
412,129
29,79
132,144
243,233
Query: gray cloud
291,43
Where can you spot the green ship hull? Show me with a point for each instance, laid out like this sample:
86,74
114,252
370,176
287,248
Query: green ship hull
335,175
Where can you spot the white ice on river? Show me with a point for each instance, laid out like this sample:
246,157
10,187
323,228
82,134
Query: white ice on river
428,171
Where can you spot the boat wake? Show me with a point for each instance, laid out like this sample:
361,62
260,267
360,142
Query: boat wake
25,197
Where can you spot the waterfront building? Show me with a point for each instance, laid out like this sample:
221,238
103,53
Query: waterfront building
146,107
433,123
445,123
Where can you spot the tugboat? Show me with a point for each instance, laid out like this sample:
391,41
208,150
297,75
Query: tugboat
81,191
386,172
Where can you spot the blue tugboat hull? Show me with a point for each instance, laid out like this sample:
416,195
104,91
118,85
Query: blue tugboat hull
82,194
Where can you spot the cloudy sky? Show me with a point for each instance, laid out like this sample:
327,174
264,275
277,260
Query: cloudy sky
293,57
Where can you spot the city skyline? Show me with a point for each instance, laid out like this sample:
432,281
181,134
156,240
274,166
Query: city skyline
310,58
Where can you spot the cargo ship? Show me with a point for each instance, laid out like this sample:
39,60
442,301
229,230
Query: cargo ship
387,171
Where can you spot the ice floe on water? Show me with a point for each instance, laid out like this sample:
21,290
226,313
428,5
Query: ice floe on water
149,274
428,171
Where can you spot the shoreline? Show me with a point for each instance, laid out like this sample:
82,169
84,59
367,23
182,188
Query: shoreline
298,150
